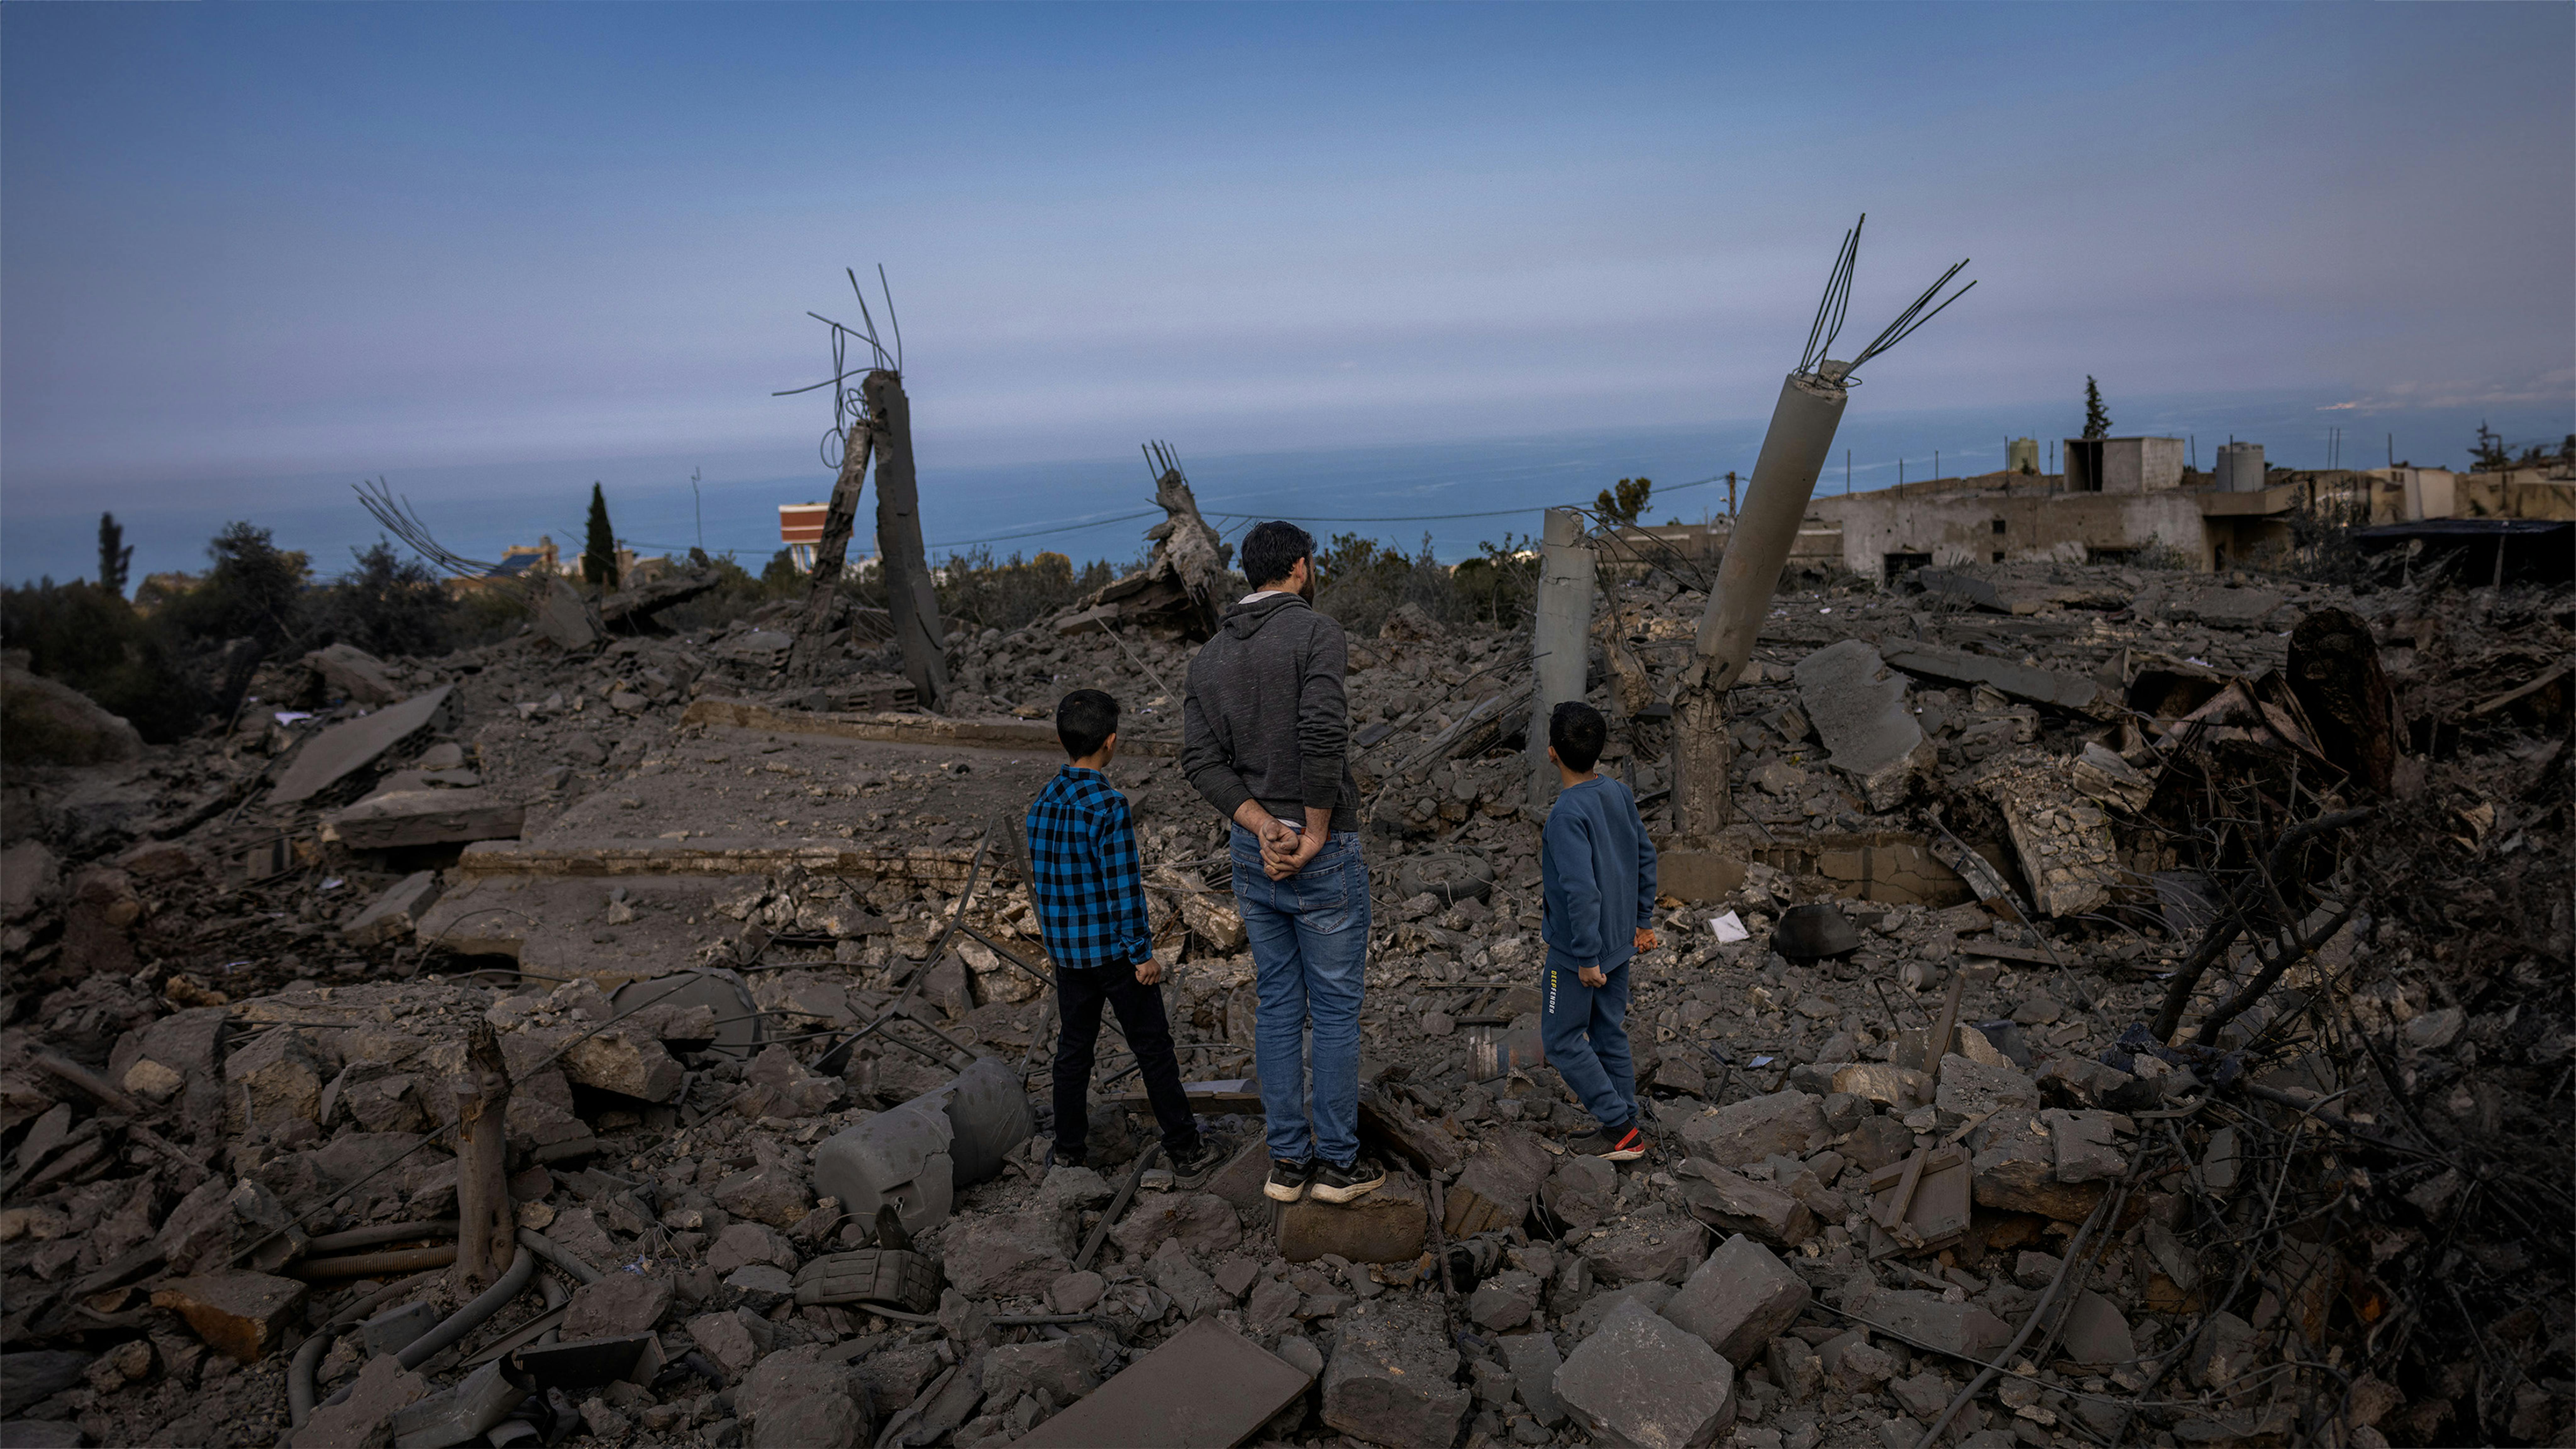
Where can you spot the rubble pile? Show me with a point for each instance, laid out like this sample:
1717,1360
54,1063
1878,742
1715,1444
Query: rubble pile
2121,1010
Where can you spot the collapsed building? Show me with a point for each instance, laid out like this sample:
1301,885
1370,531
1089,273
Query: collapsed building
710,931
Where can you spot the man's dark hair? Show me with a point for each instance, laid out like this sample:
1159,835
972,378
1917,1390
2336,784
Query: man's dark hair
1084,721
1271,549
1576,731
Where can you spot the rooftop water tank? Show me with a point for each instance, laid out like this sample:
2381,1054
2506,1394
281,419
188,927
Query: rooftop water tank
2240,468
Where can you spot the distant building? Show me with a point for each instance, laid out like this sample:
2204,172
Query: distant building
2123,465
800,527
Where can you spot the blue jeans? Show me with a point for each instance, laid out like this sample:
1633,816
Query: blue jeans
1586,1031
1310,956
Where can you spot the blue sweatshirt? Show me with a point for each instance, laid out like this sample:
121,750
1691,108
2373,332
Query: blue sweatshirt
1599,873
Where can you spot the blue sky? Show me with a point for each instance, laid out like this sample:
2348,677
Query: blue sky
249,247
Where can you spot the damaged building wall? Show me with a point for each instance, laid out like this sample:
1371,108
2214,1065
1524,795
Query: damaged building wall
2026,523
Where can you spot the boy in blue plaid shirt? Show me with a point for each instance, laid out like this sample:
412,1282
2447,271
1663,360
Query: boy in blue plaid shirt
1090,899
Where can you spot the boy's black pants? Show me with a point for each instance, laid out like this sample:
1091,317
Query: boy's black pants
1079,996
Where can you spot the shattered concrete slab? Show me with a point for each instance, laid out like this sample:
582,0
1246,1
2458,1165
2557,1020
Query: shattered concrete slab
1859,707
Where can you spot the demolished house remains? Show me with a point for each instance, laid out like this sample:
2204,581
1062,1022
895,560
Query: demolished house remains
2100,1005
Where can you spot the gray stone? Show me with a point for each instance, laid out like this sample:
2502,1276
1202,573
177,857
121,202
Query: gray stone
1795,1367
454,1416
1066,1368
1923,1395
50,723
1387,1226
1640,1380
1272,1306
1858,705
1581,1190
1504,1300
1236,1276
1202,1221
1007,1255
1655,1244
364,1420
395,912
2086,1149
28,1379
1737,1300
1392,1376
353,674
343,749
1733,1203
1752,1130
2096,1334
793,1400
630,1063
1193,1292
1972,1089
1963,1330
894,1377
726,1340
1075,1292
1650,1296
2015,1169
762,1285
1534,1359
745,1243
773,1192
1863,1365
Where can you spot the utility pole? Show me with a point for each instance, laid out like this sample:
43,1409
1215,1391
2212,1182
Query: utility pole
1560,635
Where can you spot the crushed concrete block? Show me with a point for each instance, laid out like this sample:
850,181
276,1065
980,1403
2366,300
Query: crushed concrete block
1858,705
1897,1088
741,1244
1498,1181
1738,1299
1194,1293
353,674
2064,841
1963,1330
364,1420
1974,1089
796,1400
454,1416
1202,1221
345,748
772,1192
1534,1359
2096,1334
1387,1226
1641,1380
1651,1245
1391,1379
1007,1255
1783,1123
239,1315
1205,1385
2086,1147
1581,1191
1733,1203
724,1338
1504,1301
274,1079
2015,1169
617,1060
1795,1367
1066,1368
395,912
1581,1323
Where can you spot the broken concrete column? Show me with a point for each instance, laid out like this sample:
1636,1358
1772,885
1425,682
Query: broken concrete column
1784,477
910,600
1640,1379
1387,1226
1559,632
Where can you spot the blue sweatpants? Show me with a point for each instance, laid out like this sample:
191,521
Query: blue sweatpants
1586,1031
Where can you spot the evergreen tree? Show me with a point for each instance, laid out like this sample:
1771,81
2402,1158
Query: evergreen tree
1627,503
599,550
115,555
2097,419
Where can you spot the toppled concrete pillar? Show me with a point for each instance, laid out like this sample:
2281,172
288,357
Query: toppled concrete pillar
1784,477
911,602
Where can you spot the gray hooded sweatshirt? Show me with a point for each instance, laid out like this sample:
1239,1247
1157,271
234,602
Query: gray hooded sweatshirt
1264,718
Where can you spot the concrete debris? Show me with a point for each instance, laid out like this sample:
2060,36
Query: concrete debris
758,959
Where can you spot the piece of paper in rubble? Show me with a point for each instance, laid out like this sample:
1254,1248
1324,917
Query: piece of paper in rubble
1729,927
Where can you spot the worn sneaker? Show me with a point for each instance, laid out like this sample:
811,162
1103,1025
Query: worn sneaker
1287,1180
1191,1170
1626,1144
1347,1184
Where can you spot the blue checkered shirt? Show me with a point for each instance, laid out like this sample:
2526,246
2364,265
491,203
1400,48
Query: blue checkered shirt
1090,892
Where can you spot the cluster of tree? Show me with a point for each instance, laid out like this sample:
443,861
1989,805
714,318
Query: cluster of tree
190,659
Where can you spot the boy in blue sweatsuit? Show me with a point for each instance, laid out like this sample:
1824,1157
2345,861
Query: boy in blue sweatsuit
1599,892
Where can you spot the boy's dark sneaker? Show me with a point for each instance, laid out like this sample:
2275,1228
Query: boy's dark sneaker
1348,1184
1191,1170
1624,1144
1287,1180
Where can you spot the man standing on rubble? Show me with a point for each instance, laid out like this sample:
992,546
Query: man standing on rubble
1266,739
